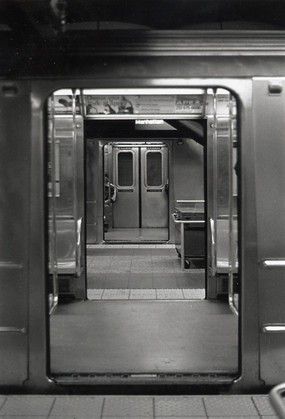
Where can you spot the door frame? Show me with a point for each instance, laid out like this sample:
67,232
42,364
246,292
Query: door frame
139,143
38,316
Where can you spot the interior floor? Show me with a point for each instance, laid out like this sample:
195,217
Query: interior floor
169,336
139,268
137,234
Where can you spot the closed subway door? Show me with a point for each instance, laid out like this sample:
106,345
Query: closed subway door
154,187
126,180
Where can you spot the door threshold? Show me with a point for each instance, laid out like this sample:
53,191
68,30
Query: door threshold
194,379
136,242
130,245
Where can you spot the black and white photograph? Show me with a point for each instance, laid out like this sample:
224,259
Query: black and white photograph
142,209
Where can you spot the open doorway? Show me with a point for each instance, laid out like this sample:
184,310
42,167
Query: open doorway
142,254
155,272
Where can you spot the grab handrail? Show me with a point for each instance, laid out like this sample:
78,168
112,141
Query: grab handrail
274,263
185,201
177,221
231,299
232,255
54,261
213,245
78,246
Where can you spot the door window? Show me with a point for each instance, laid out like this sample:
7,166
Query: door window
125,169
154,168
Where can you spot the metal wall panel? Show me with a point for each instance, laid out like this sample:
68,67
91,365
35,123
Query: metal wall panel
269,133
14,231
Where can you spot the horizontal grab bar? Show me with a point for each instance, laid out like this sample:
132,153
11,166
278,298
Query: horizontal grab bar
274,263
185,201
5,329
273,328
177,221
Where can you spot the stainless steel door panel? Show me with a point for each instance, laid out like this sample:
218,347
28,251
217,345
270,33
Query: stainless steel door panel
13,293
154,187
15,236
13,324
14,361
272,360
126,181
269,129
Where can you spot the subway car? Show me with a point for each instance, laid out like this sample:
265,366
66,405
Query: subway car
142,230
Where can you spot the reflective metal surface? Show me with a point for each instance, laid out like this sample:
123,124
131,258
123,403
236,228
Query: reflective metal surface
221,209
270,186
14,233
66,196
248,250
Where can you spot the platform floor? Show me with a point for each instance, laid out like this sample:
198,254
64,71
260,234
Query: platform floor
135,407
139,268
144,337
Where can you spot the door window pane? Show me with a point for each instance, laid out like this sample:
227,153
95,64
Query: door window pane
154,168
125,169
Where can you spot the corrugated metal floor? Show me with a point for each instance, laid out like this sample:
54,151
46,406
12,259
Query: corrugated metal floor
135,407
144,337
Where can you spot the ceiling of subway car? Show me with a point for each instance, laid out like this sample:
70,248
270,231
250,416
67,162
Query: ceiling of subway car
46,17
43,36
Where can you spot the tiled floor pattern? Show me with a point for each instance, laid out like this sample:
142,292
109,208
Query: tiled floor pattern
146,294
144,407
144,267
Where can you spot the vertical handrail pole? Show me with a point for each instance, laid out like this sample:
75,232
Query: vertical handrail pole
54,262
215,176
75,194
231,244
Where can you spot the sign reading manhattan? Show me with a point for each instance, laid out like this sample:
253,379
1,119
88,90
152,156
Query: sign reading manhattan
143,104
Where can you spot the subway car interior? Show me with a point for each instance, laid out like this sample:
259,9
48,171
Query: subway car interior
142,231
143,222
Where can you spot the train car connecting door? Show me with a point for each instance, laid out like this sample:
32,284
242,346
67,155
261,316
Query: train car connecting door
154,186
126,181
138,174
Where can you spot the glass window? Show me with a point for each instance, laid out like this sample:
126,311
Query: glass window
154,168
125,169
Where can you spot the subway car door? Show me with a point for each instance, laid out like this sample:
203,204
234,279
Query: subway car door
126,181
154,187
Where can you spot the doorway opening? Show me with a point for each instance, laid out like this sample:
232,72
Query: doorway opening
144,273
